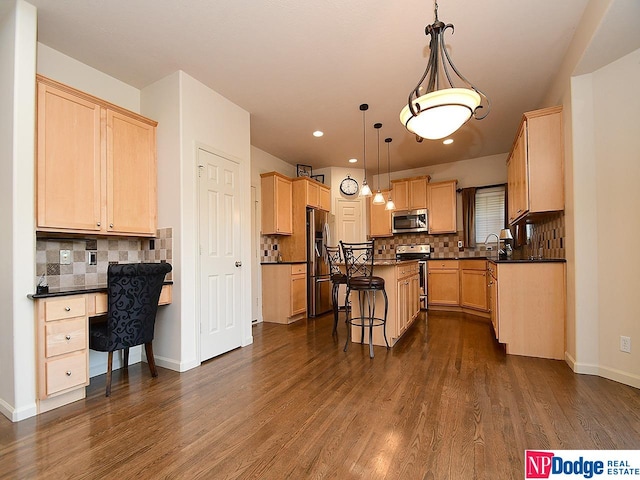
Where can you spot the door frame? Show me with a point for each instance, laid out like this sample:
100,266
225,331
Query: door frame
245,252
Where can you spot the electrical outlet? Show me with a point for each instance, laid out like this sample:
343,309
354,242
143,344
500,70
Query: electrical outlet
459,243
65,257
625,344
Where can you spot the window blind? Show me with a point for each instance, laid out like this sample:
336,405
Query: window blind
489,212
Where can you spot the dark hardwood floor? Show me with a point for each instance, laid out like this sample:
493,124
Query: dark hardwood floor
444,403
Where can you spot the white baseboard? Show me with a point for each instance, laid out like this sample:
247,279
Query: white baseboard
604,372
15,415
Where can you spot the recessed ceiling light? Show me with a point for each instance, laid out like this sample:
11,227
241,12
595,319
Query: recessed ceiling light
318,133
353,160
448,141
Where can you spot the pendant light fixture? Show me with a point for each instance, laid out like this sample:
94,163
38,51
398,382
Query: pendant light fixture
365,191
390,205
434,111
378,199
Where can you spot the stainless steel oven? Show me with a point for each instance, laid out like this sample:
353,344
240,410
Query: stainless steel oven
421,253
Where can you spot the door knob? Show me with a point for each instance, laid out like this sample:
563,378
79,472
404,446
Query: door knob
238,264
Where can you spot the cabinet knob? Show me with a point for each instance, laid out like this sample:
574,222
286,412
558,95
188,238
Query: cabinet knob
111,225
98,224
68,373
490,283
68,337
67,309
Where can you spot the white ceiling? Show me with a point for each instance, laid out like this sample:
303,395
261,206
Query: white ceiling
302,65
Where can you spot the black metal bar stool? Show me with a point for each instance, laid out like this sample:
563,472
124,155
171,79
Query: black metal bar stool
358,259
337,278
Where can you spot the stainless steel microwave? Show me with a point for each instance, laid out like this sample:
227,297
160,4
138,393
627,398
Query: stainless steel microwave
410,221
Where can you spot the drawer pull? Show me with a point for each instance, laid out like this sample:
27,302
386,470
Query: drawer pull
68,373
111,225
68,337
67,309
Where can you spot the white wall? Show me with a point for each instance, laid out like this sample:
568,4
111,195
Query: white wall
17,196
204,118
617,146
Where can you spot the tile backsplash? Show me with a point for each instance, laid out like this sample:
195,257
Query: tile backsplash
548,232
106,251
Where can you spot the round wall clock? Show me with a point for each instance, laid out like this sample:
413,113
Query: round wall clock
349,186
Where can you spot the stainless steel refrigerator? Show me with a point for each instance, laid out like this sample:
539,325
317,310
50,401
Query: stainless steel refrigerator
318,278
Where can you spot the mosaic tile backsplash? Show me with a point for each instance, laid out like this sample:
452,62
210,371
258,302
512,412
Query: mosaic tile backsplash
106,251
548,234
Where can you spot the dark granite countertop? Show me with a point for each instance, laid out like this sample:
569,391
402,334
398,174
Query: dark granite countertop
76,290
281,263
526,260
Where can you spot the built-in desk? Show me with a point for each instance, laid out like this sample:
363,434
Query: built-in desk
62,341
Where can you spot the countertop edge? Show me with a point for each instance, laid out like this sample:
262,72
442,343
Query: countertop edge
77,291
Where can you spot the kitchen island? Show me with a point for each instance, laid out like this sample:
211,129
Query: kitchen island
402,284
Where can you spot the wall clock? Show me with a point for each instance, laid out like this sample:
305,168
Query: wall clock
349,186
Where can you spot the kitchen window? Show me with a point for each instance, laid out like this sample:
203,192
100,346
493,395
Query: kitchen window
490,214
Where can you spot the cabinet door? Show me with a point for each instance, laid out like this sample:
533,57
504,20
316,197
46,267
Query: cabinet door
312,193
131,175
69,161
325,199
276,203
379,219
474,289
403,309
417,193
493,305
401,194
298,294
442,201
517,178
443,287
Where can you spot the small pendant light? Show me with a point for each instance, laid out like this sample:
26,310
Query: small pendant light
390,205
378,199
365,191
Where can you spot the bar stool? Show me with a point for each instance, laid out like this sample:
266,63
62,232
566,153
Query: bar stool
337,278
358,259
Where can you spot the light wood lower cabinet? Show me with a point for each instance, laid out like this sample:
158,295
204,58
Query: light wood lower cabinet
530,309
62,345
473,284
443,283
284,292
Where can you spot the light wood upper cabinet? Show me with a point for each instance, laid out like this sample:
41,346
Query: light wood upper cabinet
410,193
96,165
69,161
277,202
131,175
442,204
316,194
379,219
535,167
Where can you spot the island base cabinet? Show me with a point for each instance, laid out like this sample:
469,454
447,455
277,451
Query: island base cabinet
402,288
531,306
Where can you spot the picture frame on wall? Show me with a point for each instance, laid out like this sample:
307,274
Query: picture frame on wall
303,170
318,178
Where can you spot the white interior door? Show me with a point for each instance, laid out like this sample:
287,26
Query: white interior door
349,225
220,266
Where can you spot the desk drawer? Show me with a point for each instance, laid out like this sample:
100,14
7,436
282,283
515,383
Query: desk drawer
67,307
65,336
67,372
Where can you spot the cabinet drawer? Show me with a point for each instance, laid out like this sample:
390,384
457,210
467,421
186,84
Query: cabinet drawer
66,372
65,336
298,268
68,307
100,300
442,264
473,264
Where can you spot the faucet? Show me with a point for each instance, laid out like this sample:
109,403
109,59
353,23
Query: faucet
486,240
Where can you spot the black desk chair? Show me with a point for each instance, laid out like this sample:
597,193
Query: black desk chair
133,291
337,278
358,259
